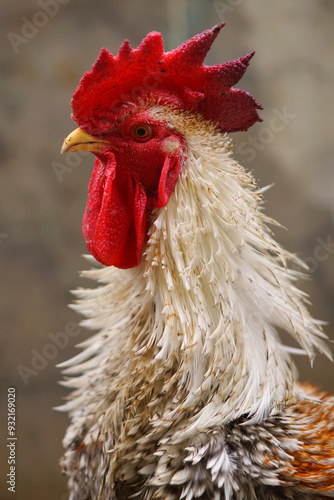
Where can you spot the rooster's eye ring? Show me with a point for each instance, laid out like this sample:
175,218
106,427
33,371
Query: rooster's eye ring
141,132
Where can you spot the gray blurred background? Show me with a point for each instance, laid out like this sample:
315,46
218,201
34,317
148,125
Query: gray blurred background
46,46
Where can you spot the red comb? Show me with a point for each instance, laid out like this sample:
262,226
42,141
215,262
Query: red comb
177,78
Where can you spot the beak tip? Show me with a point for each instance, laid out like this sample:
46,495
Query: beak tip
78,140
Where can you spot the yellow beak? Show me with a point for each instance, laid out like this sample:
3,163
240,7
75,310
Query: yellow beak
78,140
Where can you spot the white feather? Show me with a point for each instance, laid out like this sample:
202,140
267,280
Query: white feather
188,340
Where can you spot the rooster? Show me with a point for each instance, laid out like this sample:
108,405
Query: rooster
186,391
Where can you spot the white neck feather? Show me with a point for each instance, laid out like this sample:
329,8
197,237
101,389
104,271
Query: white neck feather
196,321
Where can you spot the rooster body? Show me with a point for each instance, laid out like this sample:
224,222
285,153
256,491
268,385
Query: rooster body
187,391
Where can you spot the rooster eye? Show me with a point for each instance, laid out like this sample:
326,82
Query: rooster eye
141,132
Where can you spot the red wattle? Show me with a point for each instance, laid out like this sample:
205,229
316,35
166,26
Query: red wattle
169,175
114,223
115,219
140,217
93,205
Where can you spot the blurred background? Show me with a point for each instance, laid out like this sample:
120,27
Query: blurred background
46,46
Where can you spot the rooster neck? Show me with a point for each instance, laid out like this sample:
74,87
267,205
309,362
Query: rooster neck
196,321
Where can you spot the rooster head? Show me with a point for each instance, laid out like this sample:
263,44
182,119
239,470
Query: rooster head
138,156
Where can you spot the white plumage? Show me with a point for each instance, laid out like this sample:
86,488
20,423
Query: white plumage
188,350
